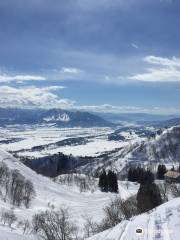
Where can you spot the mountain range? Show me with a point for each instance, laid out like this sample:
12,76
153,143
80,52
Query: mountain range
61,118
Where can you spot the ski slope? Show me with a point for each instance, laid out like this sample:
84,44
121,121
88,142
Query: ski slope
51,193
163,223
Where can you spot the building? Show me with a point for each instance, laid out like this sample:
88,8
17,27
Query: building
172,176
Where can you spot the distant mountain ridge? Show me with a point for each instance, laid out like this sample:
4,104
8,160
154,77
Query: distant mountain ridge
60,117
139,118
163,147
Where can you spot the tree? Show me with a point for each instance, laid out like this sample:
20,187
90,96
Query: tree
116,211
16,187
164,189
112,182
29,193
173,169
178,168
140,175
161,171
148,197
90,227
54,225
108,182
130,175
103,181
9,217
146,177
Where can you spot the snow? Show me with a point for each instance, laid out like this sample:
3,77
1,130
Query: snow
93,148
31,136
49,192
60,117
163,223
7,234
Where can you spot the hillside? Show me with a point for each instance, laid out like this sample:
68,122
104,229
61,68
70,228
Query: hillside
60,117
163,223
51,193
165,146
162,147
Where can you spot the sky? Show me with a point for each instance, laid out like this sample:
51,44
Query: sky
103,56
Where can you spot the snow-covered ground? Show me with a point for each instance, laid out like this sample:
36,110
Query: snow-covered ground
49,192
27,136
163,223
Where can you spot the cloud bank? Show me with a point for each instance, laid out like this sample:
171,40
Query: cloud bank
47,97
9,78
167,70
32,97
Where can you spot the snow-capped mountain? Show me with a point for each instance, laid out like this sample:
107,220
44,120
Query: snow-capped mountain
64,118
165,146
160,147
60,117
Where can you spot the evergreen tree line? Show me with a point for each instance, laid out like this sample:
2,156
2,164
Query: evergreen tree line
148,196
176,170
140,175
108,181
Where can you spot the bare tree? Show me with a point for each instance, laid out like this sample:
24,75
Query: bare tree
4,179
164,189
54,225
17,192
116,211
90,227
175,189
25,225
29,192
15,187
8,216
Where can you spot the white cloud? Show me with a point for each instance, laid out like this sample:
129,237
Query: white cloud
75,71
46,97
170,62
161,75
134,45
167,70
108,108
32,97
21,78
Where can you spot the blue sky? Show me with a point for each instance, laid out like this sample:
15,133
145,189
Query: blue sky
105,56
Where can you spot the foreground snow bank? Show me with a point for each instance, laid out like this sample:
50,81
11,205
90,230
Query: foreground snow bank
163,223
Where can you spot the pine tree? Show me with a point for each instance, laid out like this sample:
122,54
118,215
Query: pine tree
173,169
112,182
161,171
130,175
148,197
103,181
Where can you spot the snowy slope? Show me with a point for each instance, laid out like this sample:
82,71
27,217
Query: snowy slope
164,147
7,234
49,192
161,224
